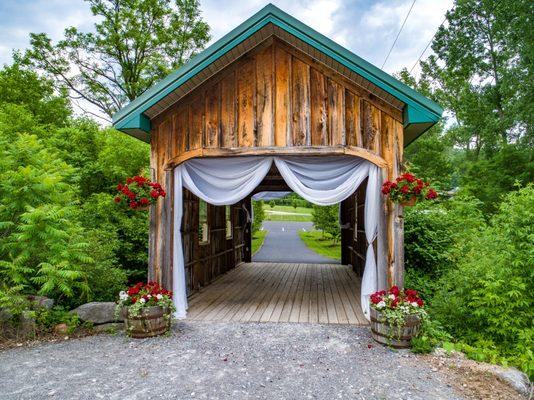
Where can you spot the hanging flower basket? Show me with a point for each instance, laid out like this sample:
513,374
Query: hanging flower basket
138,193
407,190
147,310
396,316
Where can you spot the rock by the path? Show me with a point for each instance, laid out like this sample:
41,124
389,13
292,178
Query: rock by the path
41,302
515,378
97,312
109,327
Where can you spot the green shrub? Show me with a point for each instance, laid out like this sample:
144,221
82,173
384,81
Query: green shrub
258,215
486,301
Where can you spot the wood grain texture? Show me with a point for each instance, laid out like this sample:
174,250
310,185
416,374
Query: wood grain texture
336,112
264,96
352,120
213,116
300,103
228,111
282,107
245,105
319,109
196,123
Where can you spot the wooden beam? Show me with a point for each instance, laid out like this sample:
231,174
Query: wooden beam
277,151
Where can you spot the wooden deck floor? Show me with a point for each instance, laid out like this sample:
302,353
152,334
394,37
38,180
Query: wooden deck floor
279,292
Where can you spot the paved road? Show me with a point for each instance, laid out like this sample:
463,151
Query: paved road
283,244
222,361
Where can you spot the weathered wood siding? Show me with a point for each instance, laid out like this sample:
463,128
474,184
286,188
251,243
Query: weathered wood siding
274,97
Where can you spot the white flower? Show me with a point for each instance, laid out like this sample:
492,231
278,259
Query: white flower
142,300
414,304
149,296
392,296
159,296
381,304
123,295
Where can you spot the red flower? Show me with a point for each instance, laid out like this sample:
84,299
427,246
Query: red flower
162,193
154,194
144,201
133,204
119,187
394,303
394,290
432,194
405,189
411,293
420,302
409,177
131,195
393,185
117,199
129,180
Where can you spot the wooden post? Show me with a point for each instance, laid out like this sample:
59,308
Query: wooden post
345,233
168,231
392,152
152,233
247,254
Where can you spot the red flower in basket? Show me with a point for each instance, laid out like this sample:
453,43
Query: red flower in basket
138,193
407,189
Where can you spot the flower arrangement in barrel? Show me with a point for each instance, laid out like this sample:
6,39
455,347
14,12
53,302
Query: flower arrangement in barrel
407,189
144,295
138,193
404,302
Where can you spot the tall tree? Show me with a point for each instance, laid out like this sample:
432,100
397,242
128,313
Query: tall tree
482,66
135,43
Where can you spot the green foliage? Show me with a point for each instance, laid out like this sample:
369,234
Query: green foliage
321,244
134,44
272,203
430,336
46,320
258,215
486,301
257,240
326,219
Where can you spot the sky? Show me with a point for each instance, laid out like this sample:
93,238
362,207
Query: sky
366,27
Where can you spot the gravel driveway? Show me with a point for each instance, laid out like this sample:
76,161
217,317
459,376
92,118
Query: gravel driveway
202,360
283,244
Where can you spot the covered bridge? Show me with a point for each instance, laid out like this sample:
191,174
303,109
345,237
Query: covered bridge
274,106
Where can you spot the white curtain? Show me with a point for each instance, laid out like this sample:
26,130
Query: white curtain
321,180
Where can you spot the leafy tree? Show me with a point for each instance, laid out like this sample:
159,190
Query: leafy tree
25,88
482,69
135,43
272,203
258,215
326,219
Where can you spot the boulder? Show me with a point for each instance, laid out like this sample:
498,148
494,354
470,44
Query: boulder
41,302
97,312
515,378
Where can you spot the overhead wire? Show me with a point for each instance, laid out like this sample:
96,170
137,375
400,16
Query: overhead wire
398,34
428,44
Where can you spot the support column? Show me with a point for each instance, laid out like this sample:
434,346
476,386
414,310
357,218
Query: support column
392,152
247,234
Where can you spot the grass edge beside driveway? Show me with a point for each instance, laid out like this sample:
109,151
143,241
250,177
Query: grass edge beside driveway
257,240
320,244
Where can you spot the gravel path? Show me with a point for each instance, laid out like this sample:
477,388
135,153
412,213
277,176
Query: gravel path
202,360
282,244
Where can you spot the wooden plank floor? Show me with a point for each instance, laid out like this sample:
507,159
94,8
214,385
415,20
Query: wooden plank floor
279,292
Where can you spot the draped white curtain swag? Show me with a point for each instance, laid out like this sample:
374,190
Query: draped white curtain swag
320,180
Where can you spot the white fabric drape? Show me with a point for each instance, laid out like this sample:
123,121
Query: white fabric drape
322,180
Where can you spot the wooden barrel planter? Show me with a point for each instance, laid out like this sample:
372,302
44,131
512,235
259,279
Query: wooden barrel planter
390,335
151,321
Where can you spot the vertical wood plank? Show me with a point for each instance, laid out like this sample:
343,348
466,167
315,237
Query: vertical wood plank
168,231
282,124
319,109
264,95
376,126
300,102
196,126
352,119
336,121
228,111
213,98
181,128
245,104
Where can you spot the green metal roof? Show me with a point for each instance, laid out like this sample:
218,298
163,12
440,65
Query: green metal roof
420,113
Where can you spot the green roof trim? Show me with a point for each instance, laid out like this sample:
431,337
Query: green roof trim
420,112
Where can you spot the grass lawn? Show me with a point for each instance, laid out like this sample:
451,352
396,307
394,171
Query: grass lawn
257,240
321,245
299,214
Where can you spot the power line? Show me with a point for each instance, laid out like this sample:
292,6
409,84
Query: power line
398,34
427,45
